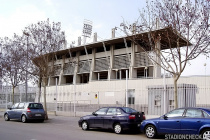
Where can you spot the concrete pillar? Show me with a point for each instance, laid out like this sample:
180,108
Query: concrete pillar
132,71
111,73
95,37
49,83
113,32
134,28
157,68
76,78
92,66
62,79
79,41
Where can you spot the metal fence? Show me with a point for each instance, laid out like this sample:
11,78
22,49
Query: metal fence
6,99
189,95
81,107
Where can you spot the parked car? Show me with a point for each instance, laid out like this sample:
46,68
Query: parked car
25,111
116,118
194,121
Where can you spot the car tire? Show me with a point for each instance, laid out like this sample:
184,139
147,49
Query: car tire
150,131
24,119
205,134
117,128
85,125
6,117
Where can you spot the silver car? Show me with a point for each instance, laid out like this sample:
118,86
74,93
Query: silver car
25,111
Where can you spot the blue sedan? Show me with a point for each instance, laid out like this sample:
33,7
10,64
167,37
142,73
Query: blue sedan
116,118
182,121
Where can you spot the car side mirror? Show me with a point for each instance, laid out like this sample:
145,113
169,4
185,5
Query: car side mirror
165,117
94,114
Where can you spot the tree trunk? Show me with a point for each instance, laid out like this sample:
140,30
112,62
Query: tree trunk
40,87
45,101
13,95
175,92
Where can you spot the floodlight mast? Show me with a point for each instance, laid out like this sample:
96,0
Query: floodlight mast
87,31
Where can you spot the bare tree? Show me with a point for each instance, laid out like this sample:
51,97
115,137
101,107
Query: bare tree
12,61
183,33
45,40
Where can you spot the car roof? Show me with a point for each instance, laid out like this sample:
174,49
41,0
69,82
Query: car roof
115,107
194,108
202,108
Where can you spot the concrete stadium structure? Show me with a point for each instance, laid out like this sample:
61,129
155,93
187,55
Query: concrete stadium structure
96,76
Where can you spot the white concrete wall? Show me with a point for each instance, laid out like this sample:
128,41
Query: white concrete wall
109,92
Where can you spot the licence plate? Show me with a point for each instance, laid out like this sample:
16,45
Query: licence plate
38,115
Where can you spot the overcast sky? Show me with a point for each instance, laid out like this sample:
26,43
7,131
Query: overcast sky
105,15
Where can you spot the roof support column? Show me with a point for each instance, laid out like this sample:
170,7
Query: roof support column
132,71
157,67
92,66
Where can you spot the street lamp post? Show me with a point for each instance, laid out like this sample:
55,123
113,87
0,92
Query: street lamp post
26,82
205,77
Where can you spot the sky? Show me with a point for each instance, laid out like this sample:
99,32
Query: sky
15,15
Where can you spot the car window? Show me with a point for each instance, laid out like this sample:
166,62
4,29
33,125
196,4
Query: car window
194,113
111,111
128,110
101,111
21,106
118,111
205,115
35,106
175,113
15,106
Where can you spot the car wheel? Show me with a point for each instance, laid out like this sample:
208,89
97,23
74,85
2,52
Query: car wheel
6,117
24,119
206,134
150,131
85,125
117,128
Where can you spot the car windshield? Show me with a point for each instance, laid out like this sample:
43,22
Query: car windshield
175,113
128,110
207,110
35,106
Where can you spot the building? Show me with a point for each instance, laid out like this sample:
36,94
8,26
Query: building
95,73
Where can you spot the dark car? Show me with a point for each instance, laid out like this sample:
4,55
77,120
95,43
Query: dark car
25,111
116,118
192,121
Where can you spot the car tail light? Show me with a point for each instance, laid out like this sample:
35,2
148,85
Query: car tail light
144,117
132,117
28,110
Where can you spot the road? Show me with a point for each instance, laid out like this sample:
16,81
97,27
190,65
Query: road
58,128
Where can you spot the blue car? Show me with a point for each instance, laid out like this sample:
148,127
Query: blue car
181,121
116,118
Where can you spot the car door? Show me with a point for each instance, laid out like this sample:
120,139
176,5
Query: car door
99,118
192,121
170,123
13,111
19,110
110,117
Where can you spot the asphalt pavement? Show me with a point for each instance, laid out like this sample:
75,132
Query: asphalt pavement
58,127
